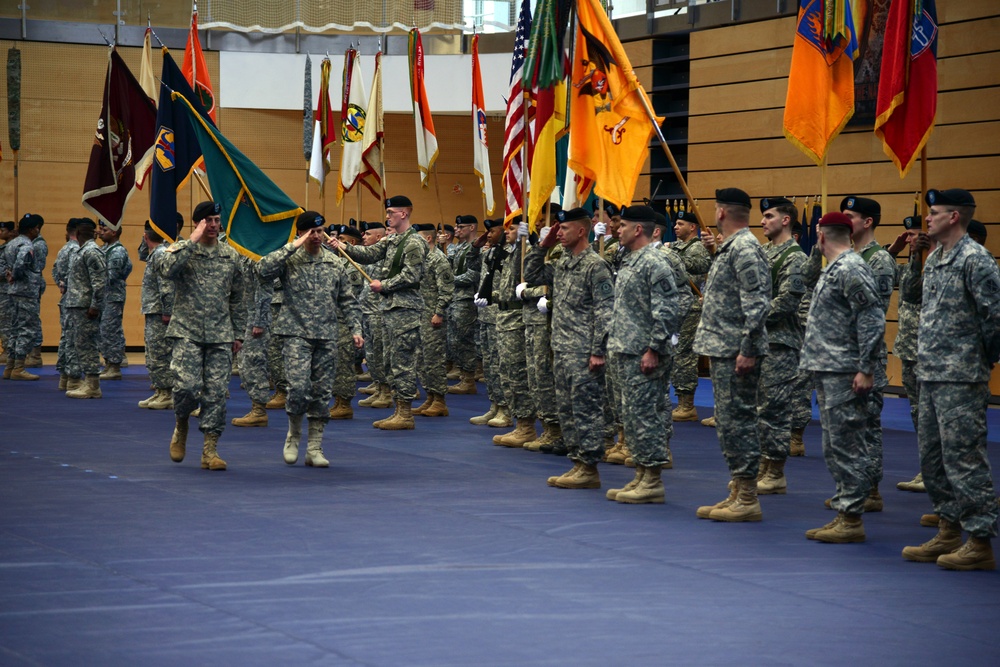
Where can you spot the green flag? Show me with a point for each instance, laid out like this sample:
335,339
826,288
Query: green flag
257,216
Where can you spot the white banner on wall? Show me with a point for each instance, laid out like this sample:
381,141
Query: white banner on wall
276,80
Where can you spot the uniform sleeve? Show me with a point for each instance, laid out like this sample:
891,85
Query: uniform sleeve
24,261
697,261
445,287
983,282
812,267
175,258
412,266
865,301
272,265
98,269
603,297
263,293
911,280
536,271
664,302
237,313
470,276
754,277
119,266
348,304
791,287
366,254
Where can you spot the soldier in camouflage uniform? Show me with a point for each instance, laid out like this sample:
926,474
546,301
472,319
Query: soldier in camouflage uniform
86,285
779,369
697,262
254,378
606,225
112,333
18,265
498,416
275,363
510,341
957,345
157,298
647,315
7,234
841,349
345,383
436,288
372,327
41,251
317,289
582,299
66,362
401,305
466,264
208,316
801,401
732,333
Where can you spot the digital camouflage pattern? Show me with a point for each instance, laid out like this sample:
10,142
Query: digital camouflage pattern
66,356
462,318
253,363
511,346
437,288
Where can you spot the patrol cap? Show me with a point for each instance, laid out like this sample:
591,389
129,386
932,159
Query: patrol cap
573,215
449,228
490,224
952,197
365,226
309,220
466,220
835,219
353,232
866,207
30,221
768,203
639,214
424,227
85,223
733,197
976,228
205,209
399,201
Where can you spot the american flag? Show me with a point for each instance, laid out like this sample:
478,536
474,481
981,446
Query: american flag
513,133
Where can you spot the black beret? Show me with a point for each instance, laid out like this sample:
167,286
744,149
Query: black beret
612,209
30,221
733,196
977,228
466,220
9,225
346,230
660,220
866,207
952,197
73,222
399,201
835,219
687,216
365,226
490,224
449,228
425,227
205,209
911,222
639,214
147,226
554,208
772,202
573,215
101,223
309,220
517,219
85,223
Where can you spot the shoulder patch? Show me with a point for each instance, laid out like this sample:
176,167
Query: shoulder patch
605,289
749,278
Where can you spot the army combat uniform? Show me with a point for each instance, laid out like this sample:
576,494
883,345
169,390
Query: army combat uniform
157,302
86,285
66,361
436,289
112,333
684,376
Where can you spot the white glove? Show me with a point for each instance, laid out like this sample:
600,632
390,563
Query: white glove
600,229
543,305
543,233
522,230
480,303
520,289
675,339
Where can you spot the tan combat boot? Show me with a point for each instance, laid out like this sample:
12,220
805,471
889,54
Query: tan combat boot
648,490
582,476
18,372
502,419
685,410
370,389
975,554
547,437
112,372
708,421
849,529
569,473
419,410
292,439
467,385
947,540
178,441
916,484
874,503
210,459
402,420
314,445
34,358
525,432
438,408
383,399
482,420
796,446
746,507
612,494
91,388
930,520
63,379
72,384
812,532
164,402
618,454
146,401
705,511
8,368
773,481
451,371
341,409
256,417
277,401
385,420
375,394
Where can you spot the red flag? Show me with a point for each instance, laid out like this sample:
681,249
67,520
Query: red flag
513,131
196,71
125,134
907,88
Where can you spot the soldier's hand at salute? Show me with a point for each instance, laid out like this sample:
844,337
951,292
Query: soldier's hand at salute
300,240
900,242
359,342
199,230
551,238
480,241
596,363
919,242
863,383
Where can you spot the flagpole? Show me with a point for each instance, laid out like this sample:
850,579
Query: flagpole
437,193
822,184
600,241
201,182
348,258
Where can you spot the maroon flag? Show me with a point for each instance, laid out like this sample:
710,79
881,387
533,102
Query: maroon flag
125,134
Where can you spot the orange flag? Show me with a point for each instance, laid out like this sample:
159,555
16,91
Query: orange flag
196,71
